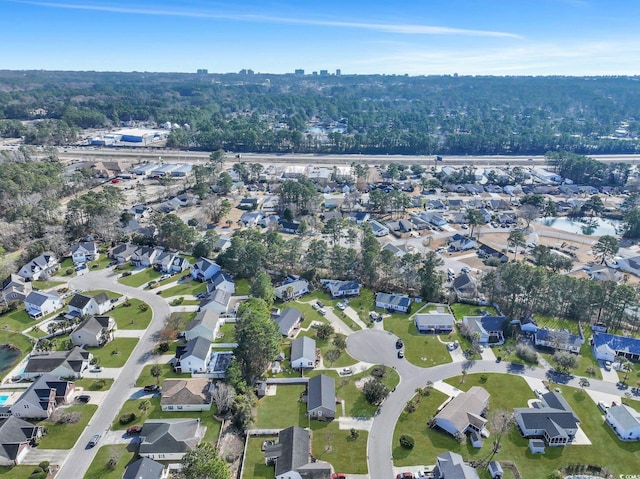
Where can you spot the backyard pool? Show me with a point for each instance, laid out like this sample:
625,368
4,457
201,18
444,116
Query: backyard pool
3,398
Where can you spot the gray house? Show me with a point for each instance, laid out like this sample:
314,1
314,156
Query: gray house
145,468
552,421
303,353
170,439
94,331
464,413
16,438
434,323
291,456
288,320
321,398
450,465
61,364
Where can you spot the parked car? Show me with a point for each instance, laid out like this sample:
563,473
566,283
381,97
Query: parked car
401,354
85,398
399,344
320,304
341,306
375,316
322,312
134,430
346,371
151,388
607,365
95,439
338,475
603,406
405,475
96,369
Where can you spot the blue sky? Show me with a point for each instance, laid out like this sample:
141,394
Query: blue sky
419,37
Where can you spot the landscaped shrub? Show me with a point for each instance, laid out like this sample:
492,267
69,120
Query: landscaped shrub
379,372
44,465
143,307
127,418
68,271
38,475
163,347
526,353
407,441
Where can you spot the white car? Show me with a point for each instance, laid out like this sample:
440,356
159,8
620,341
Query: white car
341,306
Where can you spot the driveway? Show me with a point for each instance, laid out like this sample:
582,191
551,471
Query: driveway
79,458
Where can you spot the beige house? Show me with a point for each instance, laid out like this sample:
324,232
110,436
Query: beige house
187,394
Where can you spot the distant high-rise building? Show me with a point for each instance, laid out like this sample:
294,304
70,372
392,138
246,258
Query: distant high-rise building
315,74
299,72
324,73
202,71
338,72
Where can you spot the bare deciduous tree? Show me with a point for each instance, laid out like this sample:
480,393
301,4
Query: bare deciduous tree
223,396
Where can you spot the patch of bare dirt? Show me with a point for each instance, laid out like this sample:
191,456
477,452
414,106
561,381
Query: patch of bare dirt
230,446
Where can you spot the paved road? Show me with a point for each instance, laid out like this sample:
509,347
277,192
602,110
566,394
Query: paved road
375,346
80,457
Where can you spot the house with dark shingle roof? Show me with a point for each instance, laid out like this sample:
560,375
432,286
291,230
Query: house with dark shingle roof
488,329
465,286
94,331
291,456
170,439
459,242
39,304
395,302
193,394
41,398
44,265
321,398
204,269
193,357
551,420
558,339
145,468
14,288
223,281
82,304
16,438
288,320
340,289
204,325
606,347
84,252
61,364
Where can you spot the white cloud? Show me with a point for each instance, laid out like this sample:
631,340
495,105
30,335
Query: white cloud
402,29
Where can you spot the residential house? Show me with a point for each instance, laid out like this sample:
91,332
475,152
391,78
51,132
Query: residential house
288,320
170,439
450,465
248,204
250,219
140,211
378,228
223,281
456,204
507,218
487,330
94,331
486,251
291,456
145,468
340,289
270,222
39,304
360,217
397,251
223,243
303,353
465,413
606,347
218,301
123,252
15,288
459,242
498,205
629,265
625,421
289,227
41,267
193,357
434,322
393,302
82,253
61,364
16,438
144,256
204,269
419,224
170,263
321,398
83,305
41,398
558,339
602,272
204,325
552,420
193,394
293,288
400,227
465,286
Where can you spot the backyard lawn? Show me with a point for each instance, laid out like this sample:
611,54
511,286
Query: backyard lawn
419,349
98,468
606,450
325,345
155,412
136,280
189,287
19,472
17,321
461,310
279,411
226,333
254,466
146,377
64,436
114,354
132,316
243,287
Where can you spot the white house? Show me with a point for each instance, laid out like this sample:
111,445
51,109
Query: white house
204,269
303,353
170,263
292,289
340,289
144,256
218,301
42,266
625,421
39,401
395,302
170,439
464,413
82,305
194,356
204,325
193,394
223,281
61,364
84,252
94,331
39,304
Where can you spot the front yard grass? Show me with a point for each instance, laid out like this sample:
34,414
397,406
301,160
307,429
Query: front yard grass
98,468
115,353
20,472
420,349
132,316
186,288
99,384
45,284
507,392
146,377
156,412
309,314
64,436
254,466
336,446
136,280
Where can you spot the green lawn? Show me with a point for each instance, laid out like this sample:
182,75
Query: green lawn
155,412
42,284
101,263
64,266
146,377
18,472
363,304
184,289
243,287
109,358
178,320
228,331
557,323
419,349
585,359
337,447
278,411
309,314
132,317
461,310
17,321
606,450
89,384
98,468
138,279
254,466
64,436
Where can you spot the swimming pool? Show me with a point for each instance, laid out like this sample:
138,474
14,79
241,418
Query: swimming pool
3,398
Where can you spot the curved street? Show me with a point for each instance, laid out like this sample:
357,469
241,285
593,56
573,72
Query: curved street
79,459
378,347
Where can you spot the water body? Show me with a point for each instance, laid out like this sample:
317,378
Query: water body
582,226
8,355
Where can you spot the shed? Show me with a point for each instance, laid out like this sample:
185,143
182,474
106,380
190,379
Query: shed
495,469
536,446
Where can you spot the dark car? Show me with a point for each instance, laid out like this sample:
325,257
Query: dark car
399,344
151,388
134,430
401,354
85,398
94,440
